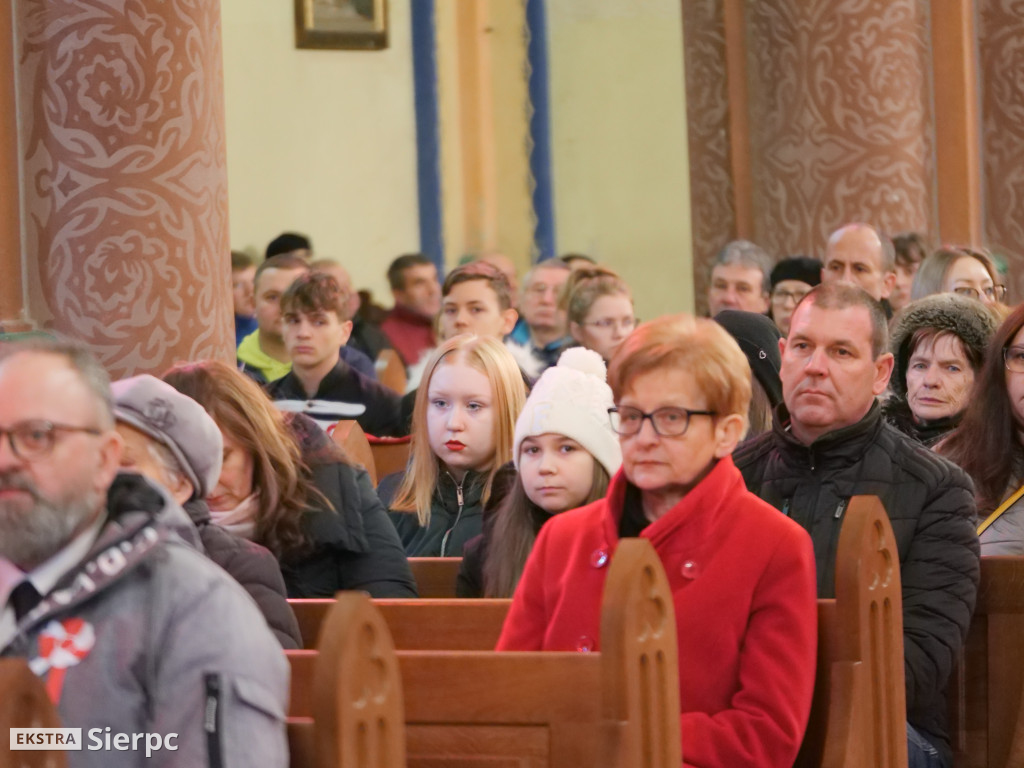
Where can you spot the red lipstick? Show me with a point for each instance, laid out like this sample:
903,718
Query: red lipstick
455,445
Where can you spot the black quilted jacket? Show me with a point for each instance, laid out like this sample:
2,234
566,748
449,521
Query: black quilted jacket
930,503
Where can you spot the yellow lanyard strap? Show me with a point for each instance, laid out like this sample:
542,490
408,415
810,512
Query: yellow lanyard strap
1002,508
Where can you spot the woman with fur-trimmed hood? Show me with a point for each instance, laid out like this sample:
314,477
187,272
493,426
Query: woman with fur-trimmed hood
938,343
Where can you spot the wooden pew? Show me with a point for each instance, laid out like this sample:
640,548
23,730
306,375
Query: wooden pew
350,436
453,624
435,576
346,697
24,704
390,454
986,712
617,708
390,370
859,711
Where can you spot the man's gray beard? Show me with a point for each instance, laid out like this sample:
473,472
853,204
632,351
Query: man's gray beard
28,538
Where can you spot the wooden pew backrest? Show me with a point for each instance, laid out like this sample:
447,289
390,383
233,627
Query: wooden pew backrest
390,454
390,370
435,576
453,624
470,709
986,712
858,715
619,707
25,704
350,436
352,689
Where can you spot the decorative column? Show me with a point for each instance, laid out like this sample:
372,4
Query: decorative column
839,95
123,179
712,190
1001,30
804,115
12,298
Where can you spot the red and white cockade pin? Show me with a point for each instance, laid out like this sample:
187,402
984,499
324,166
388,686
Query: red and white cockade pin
62,644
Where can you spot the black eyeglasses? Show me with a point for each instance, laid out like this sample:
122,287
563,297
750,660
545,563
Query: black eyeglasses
667,422
34,439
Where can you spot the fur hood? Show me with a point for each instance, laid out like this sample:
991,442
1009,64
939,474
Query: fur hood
969,320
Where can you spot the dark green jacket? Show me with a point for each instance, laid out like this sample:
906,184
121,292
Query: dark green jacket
456,515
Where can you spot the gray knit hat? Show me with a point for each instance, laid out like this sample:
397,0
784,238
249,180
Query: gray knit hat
967,319
175,421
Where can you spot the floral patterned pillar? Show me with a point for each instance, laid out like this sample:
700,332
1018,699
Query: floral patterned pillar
1001,32
124,185
841,116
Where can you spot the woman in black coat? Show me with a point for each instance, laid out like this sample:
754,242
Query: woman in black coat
285,485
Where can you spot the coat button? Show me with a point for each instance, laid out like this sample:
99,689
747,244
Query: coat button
599,559
690,570
585,644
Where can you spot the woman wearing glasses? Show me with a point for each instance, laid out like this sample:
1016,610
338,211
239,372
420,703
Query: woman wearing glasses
989,443
600,309
742,575
938,345
954,269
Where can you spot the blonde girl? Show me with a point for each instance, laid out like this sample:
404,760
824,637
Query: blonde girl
463,422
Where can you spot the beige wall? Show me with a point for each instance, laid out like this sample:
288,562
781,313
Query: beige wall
320,142
621,175
323,142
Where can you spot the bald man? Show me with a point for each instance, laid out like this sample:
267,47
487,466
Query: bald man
860,254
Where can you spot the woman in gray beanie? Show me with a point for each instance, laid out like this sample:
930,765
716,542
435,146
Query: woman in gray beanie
938,343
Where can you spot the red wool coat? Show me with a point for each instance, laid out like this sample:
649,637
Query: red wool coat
744,586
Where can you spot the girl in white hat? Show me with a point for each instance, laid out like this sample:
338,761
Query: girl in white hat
565,453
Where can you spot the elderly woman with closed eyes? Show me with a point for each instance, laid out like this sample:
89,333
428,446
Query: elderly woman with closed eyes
742,575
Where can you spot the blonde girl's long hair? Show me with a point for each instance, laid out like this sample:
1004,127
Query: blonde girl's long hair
490,357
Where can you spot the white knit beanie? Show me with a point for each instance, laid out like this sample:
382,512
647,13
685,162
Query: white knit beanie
572,399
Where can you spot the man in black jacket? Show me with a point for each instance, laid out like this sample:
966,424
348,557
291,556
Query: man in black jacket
829,443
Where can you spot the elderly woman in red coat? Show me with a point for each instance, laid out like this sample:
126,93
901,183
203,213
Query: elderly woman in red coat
742,574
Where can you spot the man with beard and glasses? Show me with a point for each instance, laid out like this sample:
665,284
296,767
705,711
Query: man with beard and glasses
103,591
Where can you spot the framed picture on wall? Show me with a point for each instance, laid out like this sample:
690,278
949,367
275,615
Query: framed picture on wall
354,24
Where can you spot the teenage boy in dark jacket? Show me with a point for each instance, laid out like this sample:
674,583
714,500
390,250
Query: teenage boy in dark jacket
829,443
320,384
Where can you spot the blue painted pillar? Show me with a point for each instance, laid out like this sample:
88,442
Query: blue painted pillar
428,147
540,130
